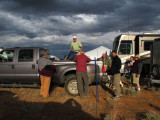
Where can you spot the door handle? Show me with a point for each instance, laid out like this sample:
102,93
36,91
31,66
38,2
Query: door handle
12,66
33,66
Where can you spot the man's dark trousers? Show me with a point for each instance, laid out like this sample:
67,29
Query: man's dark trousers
82,83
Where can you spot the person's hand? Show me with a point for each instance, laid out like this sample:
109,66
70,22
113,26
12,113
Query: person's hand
128,64
138,75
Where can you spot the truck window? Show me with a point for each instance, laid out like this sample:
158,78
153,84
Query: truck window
147,45
6,56
25,55
126,47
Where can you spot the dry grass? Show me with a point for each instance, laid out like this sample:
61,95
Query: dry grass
131,105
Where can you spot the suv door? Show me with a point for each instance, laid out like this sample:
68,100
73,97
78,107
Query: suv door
7,68
26,66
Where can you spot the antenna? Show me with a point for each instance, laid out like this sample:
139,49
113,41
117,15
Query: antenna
128,25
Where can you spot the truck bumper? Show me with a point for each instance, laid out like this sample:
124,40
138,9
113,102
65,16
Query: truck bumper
155,81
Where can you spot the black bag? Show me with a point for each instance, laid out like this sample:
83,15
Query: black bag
109,72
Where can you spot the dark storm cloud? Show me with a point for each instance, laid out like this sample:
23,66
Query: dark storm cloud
140,15
64,6
54,20
117,11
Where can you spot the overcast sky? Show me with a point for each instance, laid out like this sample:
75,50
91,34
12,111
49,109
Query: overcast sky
54,22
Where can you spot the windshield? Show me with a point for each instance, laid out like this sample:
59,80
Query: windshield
126,47
116,43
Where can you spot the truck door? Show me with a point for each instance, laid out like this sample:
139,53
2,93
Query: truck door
7,68
26,66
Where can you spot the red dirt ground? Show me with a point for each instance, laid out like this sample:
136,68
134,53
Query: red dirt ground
26,104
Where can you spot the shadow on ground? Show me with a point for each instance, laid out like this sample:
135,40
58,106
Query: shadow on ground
155,107
11,108
107,89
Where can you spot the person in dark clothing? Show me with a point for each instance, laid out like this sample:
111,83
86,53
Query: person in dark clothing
45,69
81,73
136,71
115,71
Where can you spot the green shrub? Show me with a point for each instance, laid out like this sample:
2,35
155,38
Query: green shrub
109,100
153,89
129,118
107,117
151,116
123,89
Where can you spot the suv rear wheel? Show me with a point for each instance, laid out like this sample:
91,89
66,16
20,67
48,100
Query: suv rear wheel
156,71
71,85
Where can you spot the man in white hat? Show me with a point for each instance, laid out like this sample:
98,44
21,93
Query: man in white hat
81,73
76,45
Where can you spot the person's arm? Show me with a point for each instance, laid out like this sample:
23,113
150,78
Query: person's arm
109,61
139,68
81,48
99,59
88,59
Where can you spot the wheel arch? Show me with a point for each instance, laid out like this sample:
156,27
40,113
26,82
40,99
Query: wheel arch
66,73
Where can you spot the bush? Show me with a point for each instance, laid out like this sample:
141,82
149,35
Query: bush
107,117
151,116
153,89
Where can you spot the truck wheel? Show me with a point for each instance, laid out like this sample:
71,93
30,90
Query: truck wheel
71,85
156,71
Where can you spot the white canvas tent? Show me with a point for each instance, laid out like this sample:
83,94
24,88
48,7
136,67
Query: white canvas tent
97,52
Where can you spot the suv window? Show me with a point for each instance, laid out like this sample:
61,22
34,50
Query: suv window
6,56
25,55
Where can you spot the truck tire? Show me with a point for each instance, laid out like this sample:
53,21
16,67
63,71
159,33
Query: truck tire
71,85
156,71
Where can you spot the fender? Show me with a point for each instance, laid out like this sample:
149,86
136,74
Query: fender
66,70
61,71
